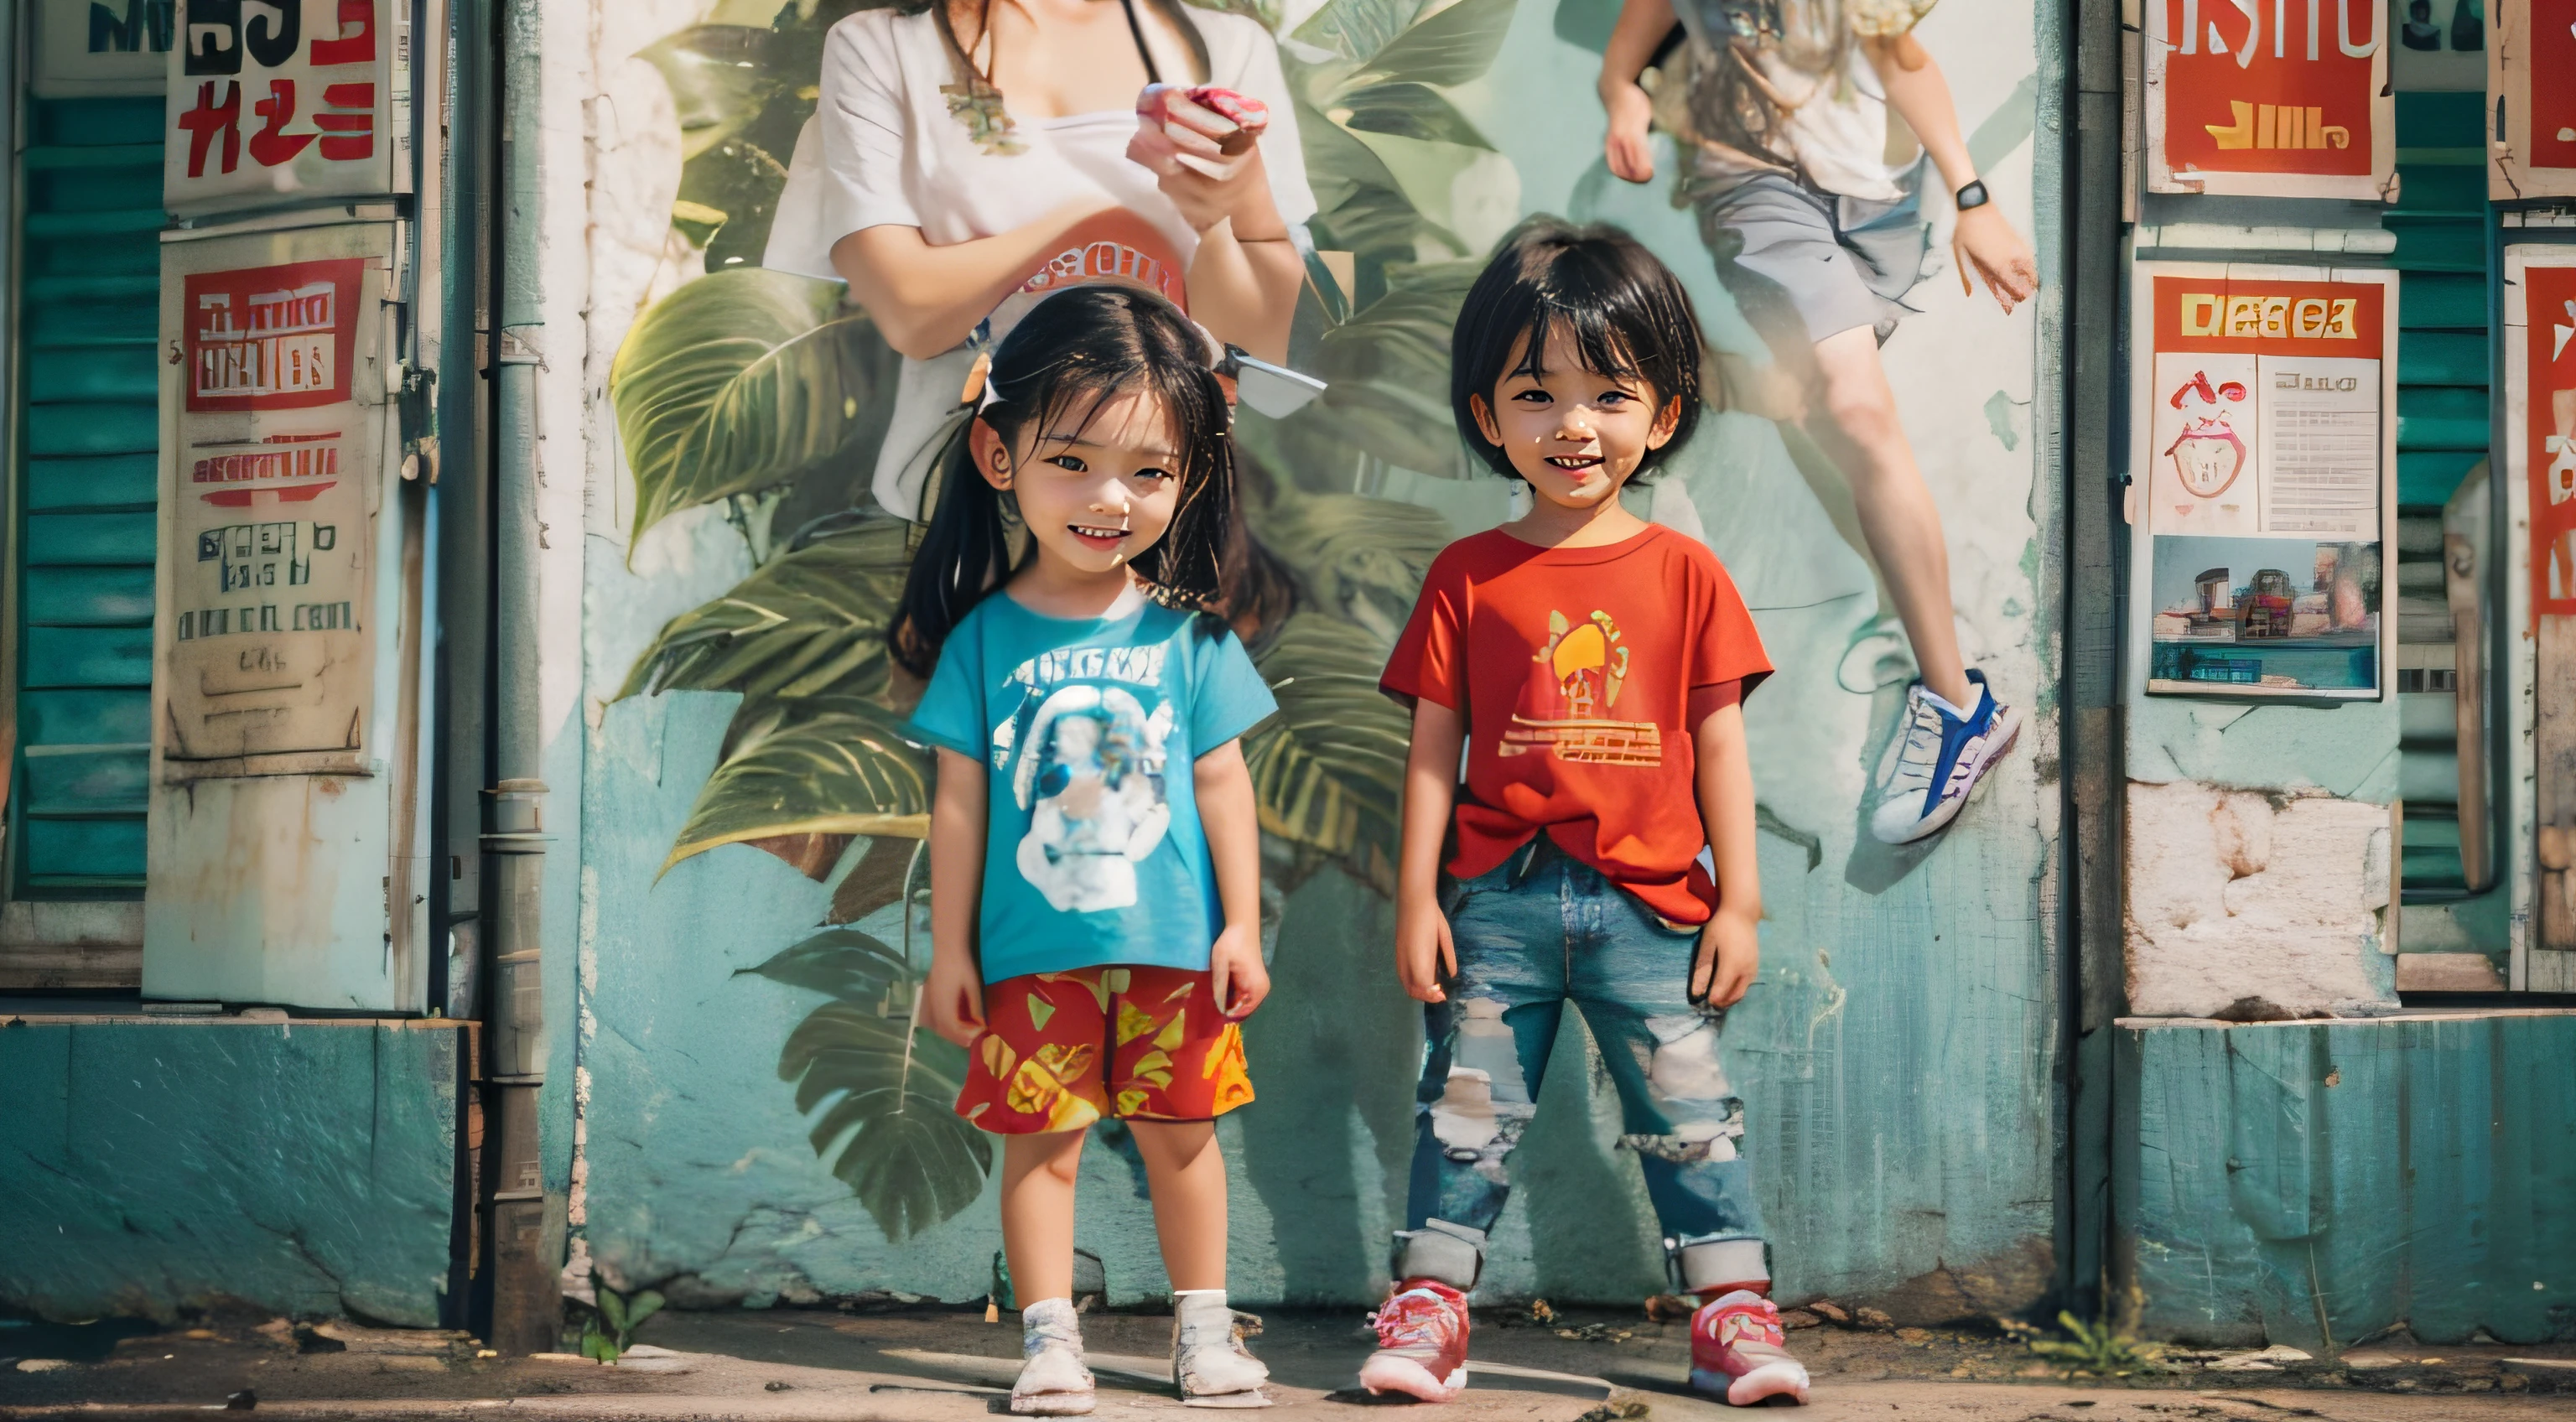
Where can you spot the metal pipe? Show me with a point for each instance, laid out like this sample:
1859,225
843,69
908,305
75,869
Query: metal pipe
527,1307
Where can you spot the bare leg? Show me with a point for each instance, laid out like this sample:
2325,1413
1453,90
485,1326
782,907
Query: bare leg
1859,428
1186,1171
1037,1212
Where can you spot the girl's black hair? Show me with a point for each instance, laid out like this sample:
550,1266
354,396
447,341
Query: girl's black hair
1625,311
1071,354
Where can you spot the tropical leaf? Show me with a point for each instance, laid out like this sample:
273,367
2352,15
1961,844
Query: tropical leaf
1358,558
840,963
720,76
810,622
1453,46
1387,381
827,764
1358,29
1328,770
889,1127
740,381
1409,110
730,193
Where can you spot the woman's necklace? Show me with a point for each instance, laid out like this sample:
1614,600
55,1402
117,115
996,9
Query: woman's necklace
975,101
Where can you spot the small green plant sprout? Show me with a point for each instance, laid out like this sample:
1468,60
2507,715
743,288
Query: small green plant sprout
614,1319
2095,1348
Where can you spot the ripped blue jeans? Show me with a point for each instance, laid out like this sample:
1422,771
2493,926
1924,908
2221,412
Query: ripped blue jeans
1540,930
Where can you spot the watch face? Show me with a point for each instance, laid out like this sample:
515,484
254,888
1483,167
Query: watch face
2208,457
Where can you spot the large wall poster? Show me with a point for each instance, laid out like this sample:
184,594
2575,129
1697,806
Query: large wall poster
2264,401
2533,151
100,48
2540,499
2274,100
275,415
275,101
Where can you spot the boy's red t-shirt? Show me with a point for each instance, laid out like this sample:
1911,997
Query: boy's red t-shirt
1575,669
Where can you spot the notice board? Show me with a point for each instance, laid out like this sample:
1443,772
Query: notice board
2263,469
2274,99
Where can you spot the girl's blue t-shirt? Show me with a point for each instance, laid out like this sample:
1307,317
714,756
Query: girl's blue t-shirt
1089,730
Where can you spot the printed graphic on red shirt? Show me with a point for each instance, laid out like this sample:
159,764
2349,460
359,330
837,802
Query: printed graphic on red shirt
1565,710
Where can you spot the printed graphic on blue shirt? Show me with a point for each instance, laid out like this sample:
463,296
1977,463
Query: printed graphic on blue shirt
1090,732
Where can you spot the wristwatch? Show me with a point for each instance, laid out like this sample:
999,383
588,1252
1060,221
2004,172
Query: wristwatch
1973,195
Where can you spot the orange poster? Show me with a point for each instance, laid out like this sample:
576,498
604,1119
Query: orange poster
2268,97
2549,434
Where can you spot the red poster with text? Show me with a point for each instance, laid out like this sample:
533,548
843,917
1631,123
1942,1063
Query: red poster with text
2255,316
2553,101
2550,431
272,338
2251,87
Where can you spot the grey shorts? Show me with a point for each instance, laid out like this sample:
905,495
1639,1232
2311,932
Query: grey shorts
1804,264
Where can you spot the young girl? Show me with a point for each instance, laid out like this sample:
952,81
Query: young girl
1094,857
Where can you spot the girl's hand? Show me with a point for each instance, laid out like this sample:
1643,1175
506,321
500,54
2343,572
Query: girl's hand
1242,981
1988,243
1629,150
1730,953
1425,955
1242,194
952,999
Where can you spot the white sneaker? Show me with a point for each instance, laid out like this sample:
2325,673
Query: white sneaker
1938,760
1209,1362
1053,1382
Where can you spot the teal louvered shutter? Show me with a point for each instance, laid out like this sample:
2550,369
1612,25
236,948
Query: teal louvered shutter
88,430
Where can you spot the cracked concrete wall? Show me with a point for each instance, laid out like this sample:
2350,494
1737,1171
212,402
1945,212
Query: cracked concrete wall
305,1168
2252,907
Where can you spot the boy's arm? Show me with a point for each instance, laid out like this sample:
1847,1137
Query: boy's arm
1424,955
1730,948
1633,40
1920,94
953,996
1232,823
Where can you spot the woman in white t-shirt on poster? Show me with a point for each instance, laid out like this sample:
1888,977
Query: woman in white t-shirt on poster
968,156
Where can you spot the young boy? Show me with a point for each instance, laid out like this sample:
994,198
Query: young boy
1810,199
1593,665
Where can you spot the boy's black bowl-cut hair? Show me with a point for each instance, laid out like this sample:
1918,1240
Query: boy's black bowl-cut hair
1625,310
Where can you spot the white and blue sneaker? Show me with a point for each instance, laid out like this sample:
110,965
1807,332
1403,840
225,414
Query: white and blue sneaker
1933,768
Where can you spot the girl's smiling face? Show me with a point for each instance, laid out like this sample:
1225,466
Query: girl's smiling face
1097,483
1574,434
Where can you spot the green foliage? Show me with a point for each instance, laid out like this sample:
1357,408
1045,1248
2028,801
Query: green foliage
812,621
720,77
813,765
880,1087
2098,1349
1328,770
741,381
610,1330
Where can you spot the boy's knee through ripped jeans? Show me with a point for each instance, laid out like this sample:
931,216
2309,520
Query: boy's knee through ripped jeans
1531,935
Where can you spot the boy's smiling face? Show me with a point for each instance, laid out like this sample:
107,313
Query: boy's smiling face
1574,434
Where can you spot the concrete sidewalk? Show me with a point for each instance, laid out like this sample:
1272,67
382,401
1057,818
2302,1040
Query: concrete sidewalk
943,1366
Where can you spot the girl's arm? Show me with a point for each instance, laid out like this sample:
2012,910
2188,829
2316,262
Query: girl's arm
1730,948
1245,274
1633,40
1425,956
953,997
1233,827
1920,94
927,299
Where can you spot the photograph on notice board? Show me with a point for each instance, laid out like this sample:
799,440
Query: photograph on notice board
2265,465
2278,614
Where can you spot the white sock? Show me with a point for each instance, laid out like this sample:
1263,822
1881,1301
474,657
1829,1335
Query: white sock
1962,713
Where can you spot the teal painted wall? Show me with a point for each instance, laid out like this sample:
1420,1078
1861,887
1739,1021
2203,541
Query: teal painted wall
1898,1056
147,1168
2313,1183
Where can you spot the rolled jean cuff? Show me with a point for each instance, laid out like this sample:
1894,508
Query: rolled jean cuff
1452,1254
1701,1262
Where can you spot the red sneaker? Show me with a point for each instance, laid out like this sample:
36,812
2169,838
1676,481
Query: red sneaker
1421,1343
1738,1350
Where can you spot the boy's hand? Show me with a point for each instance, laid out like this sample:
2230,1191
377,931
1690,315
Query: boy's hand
1986,241
1425,957
1242,981
1629,151
952,999
1730,953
